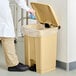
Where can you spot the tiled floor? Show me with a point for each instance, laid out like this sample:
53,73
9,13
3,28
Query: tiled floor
20,53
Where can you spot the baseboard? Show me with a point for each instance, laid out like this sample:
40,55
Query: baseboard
61,65
71,66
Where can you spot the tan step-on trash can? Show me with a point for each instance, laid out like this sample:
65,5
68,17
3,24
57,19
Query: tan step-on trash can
40,40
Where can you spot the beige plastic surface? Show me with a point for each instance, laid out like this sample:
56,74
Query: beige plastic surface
41,50
41,43
45,14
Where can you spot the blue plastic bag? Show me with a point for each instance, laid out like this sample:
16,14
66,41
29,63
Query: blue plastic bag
31,16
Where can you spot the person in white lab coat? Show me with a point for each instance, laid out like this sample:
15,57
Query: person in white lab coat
7,35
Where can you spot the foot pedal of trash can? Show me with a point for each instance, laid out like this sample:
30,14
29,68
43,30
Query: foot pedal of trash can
33,68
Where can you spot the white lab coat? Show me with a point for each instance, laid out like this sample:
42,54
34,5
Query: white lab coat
6,21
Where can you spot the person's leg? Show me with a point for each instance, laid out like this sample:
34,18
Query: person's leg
10,55
9,51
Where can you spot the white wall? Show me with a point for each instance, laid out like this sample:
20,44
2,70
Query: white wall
60,7
71,30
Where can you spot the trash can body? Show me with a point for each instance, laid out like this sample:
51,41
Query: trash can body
40,48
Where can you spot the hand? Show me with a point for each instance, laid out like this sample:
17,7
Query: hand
31,11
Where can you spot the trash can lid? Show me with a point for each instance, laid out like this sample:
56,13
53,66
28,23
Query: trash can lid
45,14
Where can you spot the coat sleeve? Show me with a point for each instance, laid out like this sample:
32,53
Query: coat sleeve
22,4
